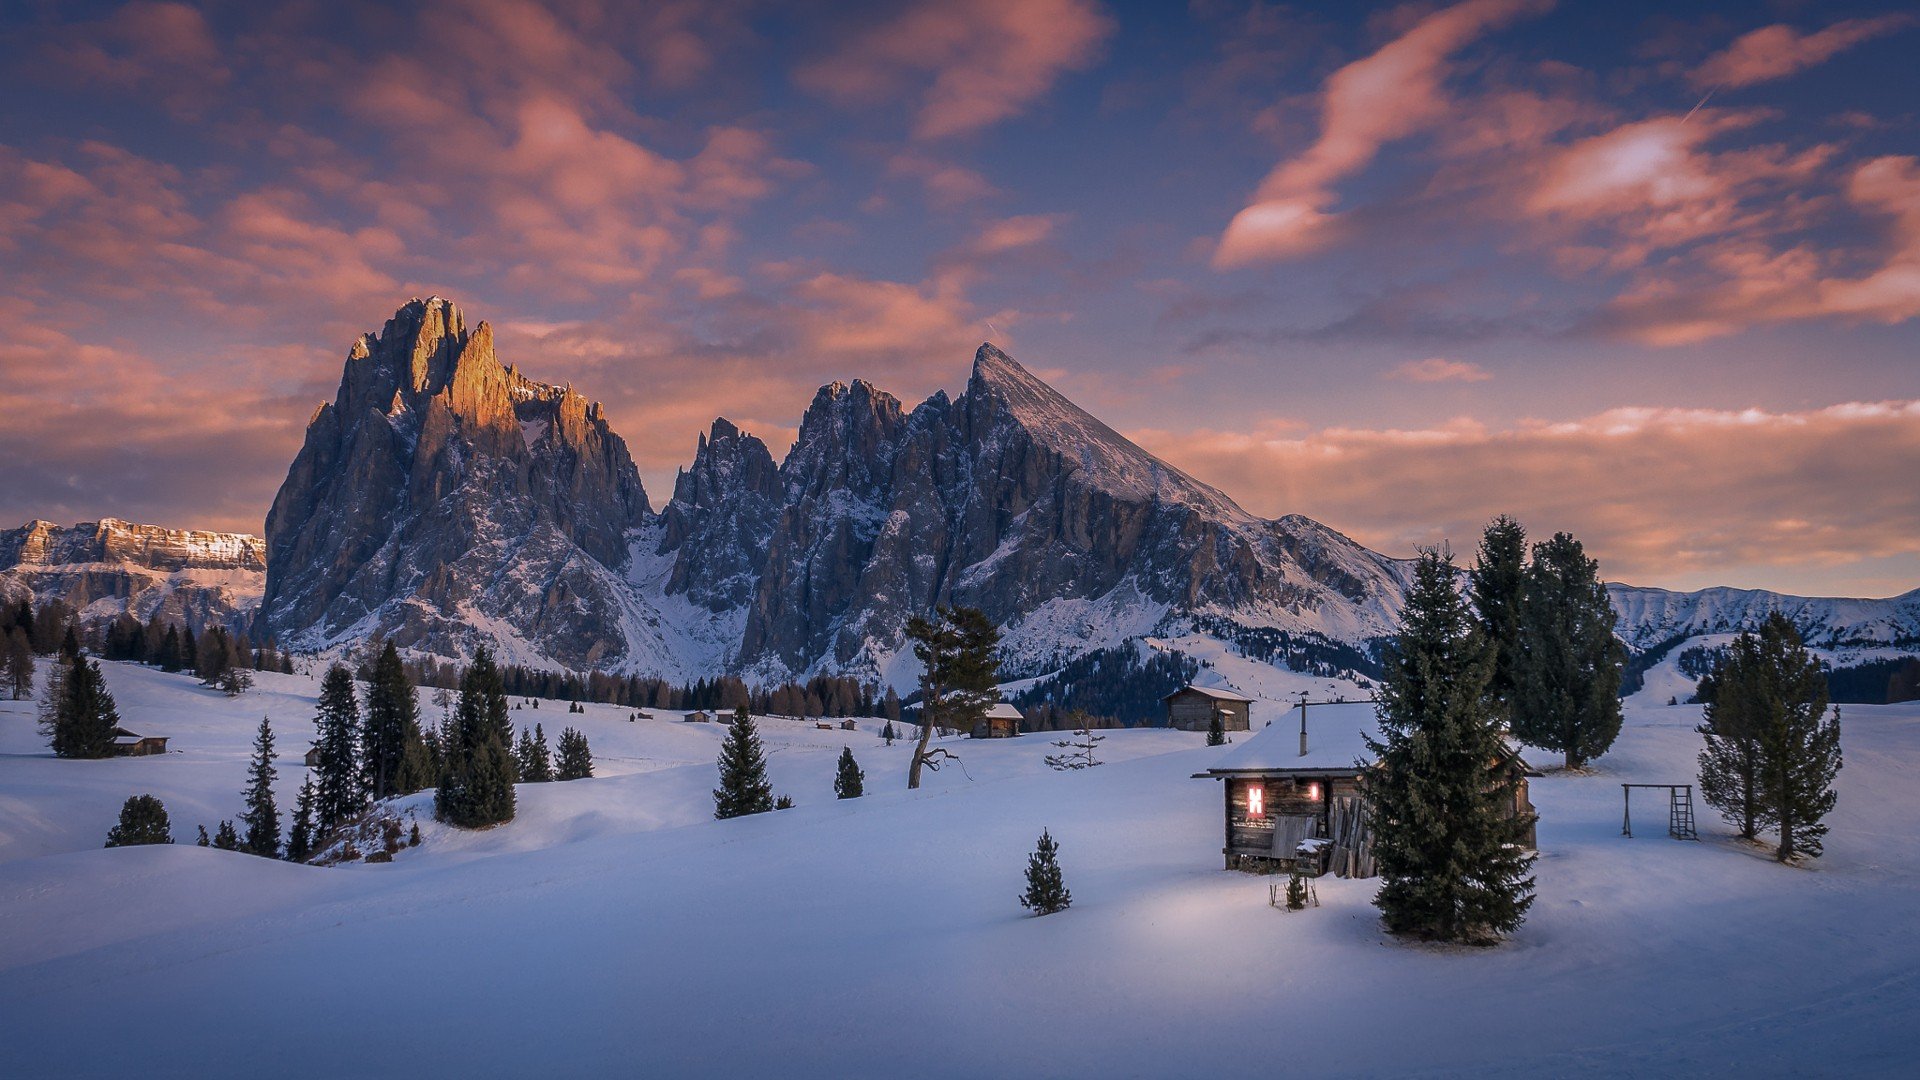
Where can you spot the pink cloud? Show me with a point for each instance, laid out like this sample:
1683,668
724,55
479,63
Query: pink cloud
1774,52
1389,95
988,60
1439,369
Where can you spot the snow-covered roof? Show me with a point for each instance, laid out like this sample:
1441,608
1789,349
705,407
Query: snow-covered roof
1336,739
1214,692
1004,711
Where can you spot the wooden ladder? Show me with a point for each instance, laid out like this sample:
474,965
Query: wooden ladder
1680,813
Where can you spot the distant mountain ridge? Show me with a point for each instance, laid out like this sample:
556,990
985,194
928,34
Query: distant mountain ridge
444,500
106,567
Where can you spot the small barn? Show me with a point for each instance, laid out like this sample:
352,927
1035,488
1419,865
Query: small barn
313,756
128,744
1291,793
1192,708
701,716
1001,722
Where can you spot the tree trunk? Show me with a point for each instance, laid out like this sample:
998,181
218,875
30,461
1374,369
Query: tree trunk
920,748
1785,854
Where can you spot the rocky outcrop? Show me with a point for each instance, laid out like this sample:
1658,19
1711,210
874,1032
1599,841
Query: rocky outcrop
108,567
718,523
442,499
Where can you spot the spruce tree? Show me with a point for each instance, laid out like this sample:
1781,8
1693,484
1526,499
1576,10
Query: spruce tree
339,794
143,820
1566,687
301,836
1216,730
394,759
203,841
261,817
1046,886
1734,706
887,733
1449,856
576,759
744,787
476,783
226,838
534,760
78,715
848,781
19,658
1497,585
959,677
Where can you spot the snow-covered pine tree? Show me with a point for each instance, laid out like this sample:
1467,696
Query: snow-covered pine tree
1497,585
1451,860
339,793
576,758
143,820
476,784
300,836
744,788
1046,886
1566,687
848,781
77,714
261,817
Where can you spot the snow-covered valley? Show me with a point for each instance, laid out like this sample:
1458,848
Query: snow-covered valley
614,928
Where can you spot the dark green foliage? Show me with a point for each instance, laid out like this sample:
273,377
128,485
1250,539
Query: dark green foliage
1297,890
19,663
235,681
1498,587
225,838
1046,887
744,788
300,836
1772,749
70,645
959,677
476,783
533,757
1216,730
848,781
576,760
143,820
78,715
1450,860
203,841
395,760
784,802
887,733
261,817
1566,685
1116,682
1875,682
339,793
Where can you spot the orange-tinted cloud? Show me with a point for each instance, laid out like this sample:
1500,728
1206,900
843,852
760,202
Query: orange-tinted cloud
1439,369
1389,95
1659,495
1774,52
988,60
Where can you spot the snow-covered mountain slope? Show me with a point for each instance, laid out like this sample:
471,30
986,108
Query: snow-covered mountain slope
1649,617
613,927
107,567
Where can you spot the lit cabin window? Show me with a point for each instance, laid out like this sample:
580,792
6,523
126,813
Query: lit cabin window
1313,792
1256,801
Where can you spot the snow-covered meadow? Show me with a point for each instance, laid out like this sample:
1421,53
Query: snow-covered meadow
614,928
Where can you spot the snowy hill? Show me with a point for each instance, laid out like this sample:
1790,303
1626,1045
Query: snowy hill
614,928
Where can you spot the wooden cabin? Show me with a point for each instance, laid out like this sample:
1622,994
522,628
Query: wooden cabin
128,744
1192,708
1001,722
312,758
849,725
701,716
1294,800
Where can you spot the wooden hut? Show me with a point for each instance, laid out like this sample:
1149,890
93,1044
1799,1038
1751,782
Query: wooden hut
313,756
1291,793
128,744
1001,722
1192,708
701,716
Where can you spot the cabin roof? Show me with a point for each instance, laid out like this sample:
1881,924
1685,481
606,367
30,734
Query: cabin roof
1214,692
1336,741
1005,711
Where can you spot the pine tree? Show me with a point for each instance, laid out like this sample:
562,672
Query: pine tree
225,838
959,677
394,759
143,820
235,681
744,787
203,841
1046,887
1216,730
784,802
1733,693
848,781
300,837
576,759
19,664
533,758
78,715
1566,687
1498,586
261,817
476,783
1449,855
339,794
887,733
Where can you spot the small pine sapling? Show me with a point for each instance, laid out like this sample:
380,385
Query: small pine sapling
143,820
1046,888
784,802
1216,730
848,781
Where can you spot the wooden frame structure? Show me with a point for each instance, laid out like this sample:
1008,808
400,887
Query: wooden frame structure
1679,810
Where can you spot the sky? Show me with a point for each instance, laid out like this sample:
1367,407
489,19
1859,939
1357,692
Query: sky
1646,273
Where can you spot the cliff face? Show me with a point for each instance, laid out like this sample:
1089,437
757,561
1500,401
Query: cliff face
106,567
443,500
